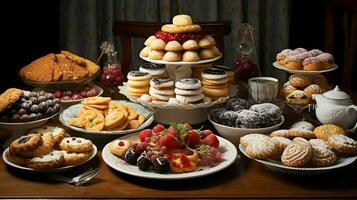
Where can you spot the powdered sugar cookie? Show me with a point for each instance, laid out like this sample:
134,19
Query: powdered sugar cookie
247,139
182,20
343,144
262,149
49,161
206,54
76,144
281,143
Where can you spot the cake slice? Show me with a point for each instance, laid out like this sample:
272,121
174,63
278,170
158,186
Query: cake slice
65,65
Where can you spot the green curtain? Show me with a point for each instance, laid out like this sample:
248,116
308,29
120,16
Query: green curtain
85,24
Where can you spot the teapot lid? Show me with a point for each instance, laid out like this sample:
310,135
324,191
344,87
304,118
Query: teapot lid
336,93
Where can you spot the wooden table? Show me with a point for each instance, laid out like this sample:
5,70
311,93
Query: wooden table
244,179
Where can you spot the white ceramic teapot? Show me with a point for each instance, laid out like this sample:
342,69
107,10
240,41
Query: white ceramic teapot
336,107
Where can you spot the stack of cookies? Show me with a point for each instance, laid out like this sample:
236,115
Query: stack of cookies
162,89
49,147
300,88
115,117
188,90
154,70
138,83
180,41
215,83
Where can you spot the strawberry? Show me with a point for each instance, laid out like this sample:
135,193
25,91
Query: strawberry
170,141
211,140
205,133
193,139
144,134
172,130
158,128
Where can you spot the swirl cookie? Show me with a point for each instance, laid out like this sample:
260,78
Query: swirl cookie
75,144
49,161
297,154
152,69
119,147
327,130
25,143
72,158
281,143
343,144
262,149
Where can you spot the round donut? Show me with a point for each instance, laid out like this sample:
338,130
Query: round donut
182,20
188,84
171,28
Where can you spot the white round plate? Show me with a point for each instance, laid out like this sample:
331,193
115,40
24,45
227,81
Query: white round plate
277,65
229,156
55,170
277,166
27,125
181,62
71,112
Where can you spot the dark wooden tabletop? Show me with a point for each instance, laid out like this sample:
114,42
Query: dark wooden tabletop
244,179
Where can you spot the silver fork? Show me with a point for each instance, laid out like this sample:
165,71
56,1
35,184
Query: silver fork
78,180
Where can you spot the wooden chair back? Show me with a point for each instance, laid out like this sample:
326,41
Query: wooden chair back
127,30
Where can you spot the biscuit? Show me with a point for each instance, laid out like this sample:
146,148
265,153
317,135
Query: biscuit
214,74
51,160
142,90
149,40
119,147
157,45
170,28
25,143
261,149
76,144
138,84
182,20
323,156
247,139
162,82
96,100
159,96
172,56
297,154
156,55
145,52
188,84
173,46
190,56
313,89
299,81
206,42
343,144
167,92
58,133
138,76
298,97
132,113
46,147
190,45
327,130
9,97
72,158
206,54
188,92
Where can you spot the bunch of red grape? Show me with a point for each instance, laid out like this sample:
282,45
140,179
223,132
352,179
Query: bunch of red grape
112,75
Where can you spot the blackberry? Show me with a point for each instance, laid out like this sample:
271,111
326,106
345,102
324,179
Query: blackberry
161,165
144,162
131,156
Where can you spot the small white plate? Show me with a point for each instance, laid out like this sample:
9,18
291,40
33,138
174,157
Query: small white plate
229,156
71,112
181,62
277,166
55,170
277,65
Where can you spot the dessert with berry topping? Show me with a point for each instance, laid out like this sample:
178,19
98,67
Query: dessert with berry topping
177,149
178,38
